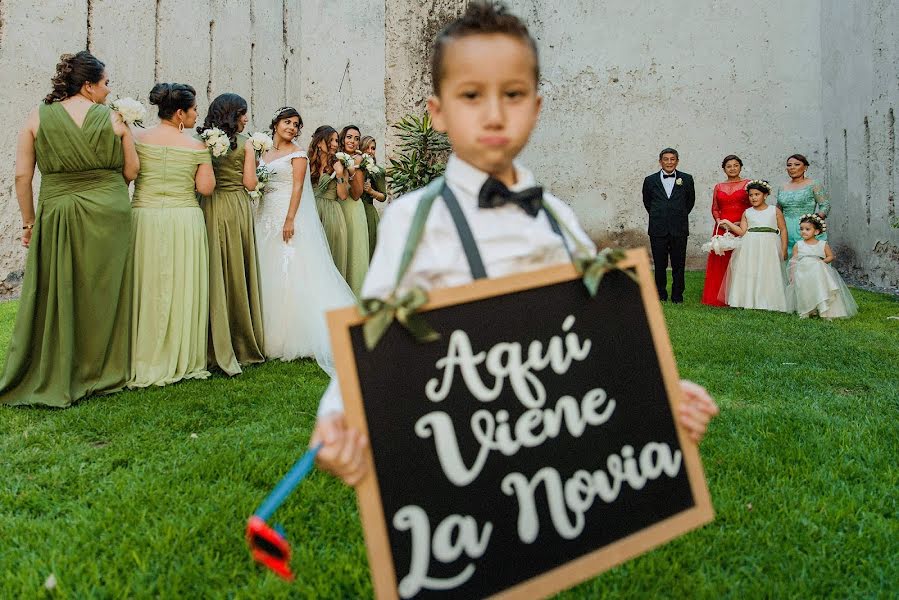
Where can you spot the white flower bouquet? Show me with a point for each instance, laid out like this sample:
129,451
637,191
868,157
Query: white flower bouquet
719,244
347,160
132,111
263,174
216,140
370,166
261,142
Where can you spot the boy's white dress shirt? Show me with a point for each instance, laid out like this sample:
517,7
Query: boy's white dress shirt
508,239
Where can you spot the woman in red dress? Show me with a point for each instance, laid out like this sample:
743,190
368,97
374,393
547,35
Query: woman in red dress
729,200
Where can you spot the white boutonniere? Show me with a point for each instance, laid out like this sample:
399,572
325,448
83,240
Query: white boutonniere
216,141
678,181
132,111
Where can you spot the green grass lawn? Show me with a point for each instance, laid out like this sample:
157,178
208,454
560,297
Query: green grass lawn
146,493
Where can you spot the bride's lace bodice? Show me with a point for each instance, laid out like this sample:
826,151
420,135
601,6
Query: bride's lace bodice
274,203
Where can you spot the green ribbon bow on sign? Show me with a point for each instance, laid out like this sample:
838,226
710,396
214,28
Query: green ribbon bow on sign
381,313
594,268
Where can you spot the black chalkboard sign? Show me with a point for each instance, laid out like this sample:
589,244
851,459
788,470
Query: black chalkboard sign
531,447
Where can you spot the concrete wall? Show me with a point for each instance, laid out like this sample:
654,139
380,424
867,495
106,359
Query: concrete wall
317,55
860,57
620,81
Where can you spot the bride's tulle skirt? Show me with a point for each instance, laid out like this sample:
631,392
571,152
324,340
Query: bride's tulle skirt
298,281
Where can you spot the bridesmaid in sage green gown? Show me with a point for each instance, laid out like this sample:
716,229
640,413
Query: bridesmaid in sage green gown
72,331
375,188
235,304
171,257
353,208
330,187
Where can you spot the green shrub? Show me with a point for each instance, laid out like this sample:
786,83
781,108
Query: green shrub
420,157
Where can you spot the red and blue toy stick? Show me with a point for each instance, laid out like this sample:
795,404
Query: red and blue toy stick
268,545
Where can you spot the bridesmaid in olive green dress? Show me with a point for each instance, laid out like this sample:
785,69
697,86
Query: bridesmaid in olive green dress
72,331
330,187
354,213
171,256
375,188
235,307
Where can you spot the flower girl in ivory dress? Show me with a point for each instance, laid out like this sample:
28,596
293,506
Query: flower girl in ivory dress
815,286
755,277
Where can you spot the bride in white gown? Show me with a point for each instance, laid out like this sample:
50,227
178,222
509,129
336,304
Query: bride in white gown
298,279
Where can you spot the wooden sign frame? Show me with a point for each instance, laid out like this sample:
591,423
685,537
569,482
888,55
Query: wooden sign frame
585,567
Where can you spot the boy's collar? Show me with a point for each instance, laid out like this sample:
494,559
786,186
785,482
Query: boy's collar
470,178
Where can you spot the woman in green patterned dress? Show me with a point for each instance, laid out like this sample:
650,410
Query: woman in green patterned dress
375,188
72,332
235,307
800,197
171,257
354,212
330,187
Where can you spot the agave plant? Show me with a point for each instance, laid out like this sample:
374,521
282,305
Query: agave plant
421,154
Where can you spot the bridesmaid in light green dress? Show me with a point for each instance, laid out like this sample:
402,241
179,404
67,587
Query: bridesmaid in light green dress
375,189
330,187
354,213
171,257
72,331
235,303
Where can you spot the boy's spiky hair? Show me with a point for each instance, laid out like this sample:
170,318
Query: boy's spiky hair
480,18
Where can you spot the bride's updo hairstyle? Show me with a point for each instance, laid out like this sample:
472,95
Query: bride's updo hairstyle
72,72
223,113
285,112
172,97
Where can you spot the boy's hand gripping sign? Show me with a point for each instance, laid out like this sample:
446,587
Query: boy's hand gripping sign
530,447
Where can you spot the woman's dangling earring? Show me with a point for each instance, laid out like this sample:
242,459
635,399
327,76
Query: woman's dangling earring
181,126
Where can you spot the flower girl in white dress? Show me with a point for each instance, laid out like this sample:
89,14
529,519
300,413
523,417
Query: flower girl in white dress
298,279
755,277
815,286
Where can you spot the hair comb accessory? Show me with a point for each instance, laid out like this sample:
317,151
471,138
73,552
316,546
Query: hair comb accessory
280,111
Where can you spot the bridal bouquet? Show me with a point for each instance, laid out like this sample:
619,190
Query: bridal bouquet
346,159
719,244
263,174
370,166
132,111
216,141
261,142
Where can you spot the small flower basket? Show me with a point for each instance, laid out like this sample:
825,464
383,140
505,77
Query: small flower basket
719,244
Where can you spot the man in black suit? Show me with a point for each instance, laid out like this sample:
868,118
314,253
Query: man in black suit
669,196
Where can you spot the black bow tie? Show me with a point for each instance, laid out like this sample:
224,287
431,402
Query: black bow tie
494,194
666,176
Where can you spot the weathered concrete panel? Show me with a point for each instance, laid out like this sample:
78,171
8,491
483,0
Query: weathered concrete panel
183,46
341,67
411,27
131,68
267,65
860,57
231,46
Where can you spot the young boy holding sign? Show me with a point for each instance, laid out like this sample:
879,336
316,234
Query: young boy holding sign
485,73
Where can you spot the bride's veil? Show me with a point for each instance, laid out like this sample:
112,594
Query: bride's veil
324,288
